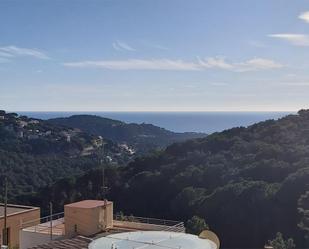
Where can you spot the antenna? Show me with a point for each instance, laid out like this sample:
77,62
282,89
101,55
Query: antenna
104,188
5,232
103,181
51,219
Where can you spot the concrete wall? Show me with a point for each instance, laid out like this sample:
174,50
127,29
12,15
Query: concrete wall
14,222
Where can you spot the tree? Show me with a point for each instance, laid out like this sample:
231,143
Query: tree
303,210
196,225
280,243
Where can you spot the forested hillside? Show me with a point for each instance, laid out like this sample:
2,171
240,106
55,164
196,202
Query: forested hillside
247,183
141,137
34,153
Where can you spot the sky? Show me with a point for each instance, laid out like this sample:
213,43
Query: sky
154,55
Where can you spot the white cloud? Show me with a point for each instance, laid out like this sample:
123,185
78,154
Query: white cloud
137,64
122,46
13,51
255,64
295,39
216,62
304,16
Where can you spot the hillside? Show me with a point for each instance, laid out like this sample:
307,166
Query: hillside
247,183
34,153
141,137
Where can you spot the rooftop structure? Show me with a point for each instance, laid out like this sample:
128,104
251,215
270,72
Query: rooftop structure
89,204
16,215
13,210
88,217
138,239
152,240
92,219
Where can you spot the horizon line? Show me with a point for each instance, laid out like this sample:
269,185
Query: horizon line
152,111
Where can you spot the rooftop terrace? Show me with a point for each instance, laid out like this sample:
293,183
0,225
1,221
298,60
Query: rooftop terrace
14,209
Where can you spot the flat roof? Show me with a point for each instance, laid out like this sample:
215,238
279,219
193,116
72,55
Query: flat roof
152,240
88,204
15,209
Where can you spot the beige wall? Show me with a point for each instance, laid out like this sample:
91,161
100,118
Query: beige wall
87,221
14,222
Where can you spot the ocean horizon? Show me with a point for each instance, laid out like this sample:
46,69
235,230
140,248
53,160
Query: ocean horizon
206,122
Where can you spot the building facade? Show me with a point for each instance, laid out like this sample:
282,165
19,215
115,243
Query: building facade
16,215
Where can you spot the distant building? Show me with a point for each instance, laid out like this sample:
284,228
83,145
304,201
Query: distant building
15,216
2,117
34,121
48,133
22,123
66,135
109,158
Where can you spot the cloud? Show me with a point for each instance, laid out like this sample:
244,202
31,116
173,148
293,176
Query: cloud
137,64
294,39
215,62
13,51
255,64
122,46
304,16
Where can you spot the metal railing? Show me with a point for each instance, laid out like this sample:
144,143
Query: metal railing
48,224
158,224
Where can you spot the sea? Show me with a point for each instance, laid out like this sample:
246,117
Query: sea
206,122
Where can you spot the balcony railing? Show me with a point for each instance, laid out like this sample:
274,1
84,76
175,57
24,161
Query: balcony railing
55,224
141,223
48,225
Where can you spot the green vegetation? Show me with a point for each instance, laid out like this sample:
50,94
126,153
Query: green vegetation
196,225
303,210
34,153
245,183
141,137
280,243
